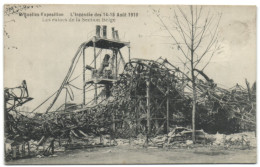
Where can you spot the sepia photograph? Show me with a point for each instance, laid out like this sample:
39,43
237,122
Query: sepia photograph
129,84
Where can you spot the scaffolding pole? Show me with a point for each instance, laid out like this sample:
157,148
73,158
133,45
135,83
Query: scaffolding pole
129,53
84,78
167,108
95,66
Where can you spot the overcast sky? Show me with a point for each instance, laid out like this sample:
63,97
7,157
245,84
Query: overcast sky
45,49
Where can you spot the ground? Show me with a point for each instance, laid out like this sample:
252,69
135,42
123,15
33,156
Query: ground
132,155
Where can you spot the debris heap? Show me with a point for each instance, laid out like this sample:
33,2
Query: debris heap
148,99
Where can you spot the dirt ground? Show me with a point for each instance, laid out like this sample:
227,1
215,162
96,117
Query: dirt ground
132,155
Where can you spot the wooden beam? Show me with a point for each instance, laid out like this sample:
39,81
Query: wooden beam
29,150
148,100
84,134
114,124
121,56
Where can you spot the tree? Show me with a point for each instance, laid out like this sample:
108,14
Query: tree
194,32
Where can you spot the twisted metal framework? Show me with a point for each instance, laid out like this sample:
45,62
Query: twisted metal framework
148,98
13,98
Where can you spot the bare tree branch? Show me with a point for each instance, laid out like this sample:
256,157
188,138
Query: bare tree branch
171,34
182,32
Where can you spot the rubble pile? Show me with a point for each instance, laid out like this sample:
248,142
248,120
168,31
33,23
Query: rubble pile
244,140
123,116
